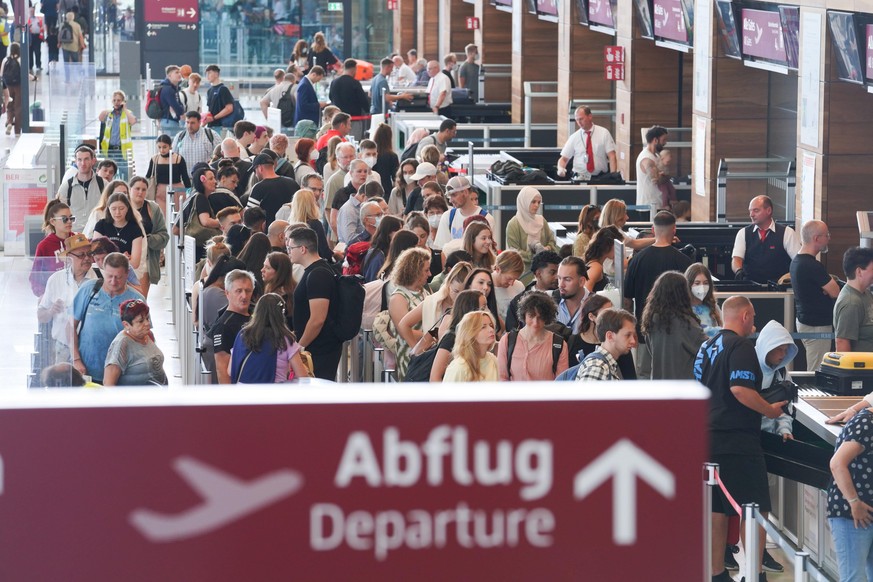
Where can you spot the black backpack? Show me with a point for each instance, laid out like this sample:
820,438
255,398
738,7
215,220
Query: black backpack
420,366
66,34
557,345
347,305
12,73
286,106
409,152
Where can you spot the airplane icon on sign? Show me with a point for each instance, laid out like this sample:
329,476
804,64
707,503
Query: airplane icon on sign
226,499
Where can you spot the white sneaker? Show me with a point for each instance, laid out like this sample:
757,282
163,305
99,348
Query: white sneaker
8,128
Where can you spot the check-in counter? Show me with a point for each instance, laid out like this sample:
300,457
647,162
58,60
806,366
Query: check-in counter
799,494
491,134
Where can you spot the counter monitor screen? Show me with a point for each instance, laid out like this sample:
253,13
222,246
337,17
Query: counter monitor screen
727,29
790,17
582,12
644,15
532,6
845,42
602,13
547,10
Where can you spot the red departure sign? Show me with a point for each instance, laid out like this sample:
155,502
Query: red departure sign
185,11
526,489
472,23
392,4
613,63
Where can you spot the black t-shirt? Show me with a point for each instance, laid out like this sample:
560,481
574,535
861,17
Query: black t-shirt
808,276
212,205
644,269
730,360
271,194
217,99
324,58
347,93
146,218
448,341
225,330
318,282
123,237
387,164
342,196
414,202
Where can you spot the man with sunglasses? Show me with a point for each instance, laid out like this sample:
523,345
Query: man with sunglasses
97,317
81,191
60,291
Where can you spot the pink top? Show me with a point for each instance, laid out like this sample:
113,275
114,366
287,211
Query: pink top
527,363
284,372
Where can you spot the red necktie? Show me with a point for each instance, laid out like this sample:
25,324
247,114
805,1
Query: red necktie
589,149
763,234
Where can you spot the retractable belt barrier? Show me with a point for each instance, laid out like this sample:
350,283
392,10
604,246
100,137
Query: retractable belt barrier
802,562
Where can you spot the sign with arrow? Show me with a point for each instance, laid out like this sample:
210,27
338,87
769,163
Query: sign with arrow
517,481
171,11
762,35
669,20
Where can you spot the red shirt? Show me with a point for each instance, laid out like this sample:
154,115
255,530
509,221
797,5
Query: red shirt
322,141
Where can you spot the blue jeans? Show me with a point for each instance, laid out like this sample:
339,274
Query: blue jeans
854,548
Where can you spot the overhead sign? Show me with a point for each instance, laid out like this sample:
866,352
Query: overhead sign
762,35
268,484
392,4
600,12
171,11
613,72
670,20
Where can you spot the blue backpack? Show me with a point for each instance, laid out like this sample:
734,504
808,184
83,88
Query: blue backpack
247,367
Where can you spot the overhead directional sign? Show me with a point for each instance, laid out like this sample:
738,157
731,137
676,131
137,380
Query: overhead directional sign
762,35
670,20
517,481
171,11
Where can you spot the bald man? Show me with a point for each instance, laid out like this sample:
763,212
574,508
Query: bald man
814,291
763,250
728,365
439,91
230,150
276,234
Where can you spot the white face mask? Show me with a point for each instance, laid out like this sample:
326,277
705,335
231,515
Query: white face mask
700,291
313,156
409,179
434,220
370,161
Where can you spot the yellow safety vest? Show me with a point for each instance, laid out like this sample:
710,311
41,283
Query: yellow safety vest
123,133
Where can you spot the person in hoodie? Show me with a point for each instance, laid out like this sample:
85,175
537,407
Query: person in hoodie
775,350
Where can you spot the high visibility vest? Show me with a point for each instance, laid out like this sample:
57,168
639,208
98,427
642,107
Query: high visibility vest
123,133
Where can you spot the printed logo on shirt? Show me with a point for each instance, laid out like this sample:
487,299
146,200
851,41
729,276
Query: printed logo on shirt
743,375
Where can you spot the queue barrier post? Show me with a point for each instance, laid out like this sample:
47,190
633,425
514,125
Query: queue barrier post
750,544
708,483
355,358
369,356
342,374
800,563
378,362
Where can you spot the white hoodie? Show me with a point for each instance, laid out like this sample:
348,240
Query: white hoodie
772,336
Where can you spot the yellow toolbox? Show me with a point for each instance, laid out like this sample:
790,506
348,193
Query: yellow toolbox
846,373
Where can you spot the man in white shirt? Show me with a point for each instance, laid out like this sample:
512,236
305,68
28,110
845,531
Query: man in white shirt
439,91
649,175
591,148
274,94
465,201
405,75
763,250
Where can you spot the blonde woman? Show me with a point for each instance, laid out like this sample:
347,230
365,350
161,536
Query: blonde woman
473,360
409,277
615,214
304,209
507,270
429,313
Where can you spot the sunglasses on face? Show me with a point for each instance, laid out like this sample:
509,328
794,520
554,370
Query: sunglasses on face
65,219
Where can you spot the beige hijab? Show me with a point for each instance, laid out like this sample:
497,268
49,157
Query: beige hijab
532,224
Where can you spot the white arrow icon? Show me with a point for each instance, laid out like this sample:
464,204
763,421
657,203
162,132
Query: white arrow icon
226,498
623,462
191,13
759,32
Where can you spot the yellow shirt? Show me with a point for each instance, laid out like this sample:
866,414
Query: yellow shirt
458,371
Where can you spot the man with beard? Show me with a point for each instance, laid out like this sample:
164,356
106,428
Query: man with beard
649,176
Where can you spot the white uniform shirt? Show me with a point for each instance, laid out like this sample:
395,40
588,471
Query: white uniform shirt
576,147
437,84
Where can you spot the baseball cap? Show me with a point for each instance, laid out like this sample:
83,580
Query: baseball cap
423,170
74,243
458,183
263,159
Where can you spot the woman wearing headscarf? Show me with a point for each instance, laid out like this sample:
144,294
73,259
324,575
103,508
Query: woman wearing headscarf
528,232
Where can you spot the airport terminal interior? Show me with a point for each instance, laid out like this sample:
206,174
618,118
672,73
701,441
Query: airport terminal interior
713,110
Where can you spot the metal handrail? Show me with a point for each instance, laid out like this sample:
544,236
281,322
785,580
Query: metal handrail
529,95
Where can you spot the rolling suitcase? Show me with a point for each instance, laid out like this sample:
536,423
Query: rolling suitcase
846,373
